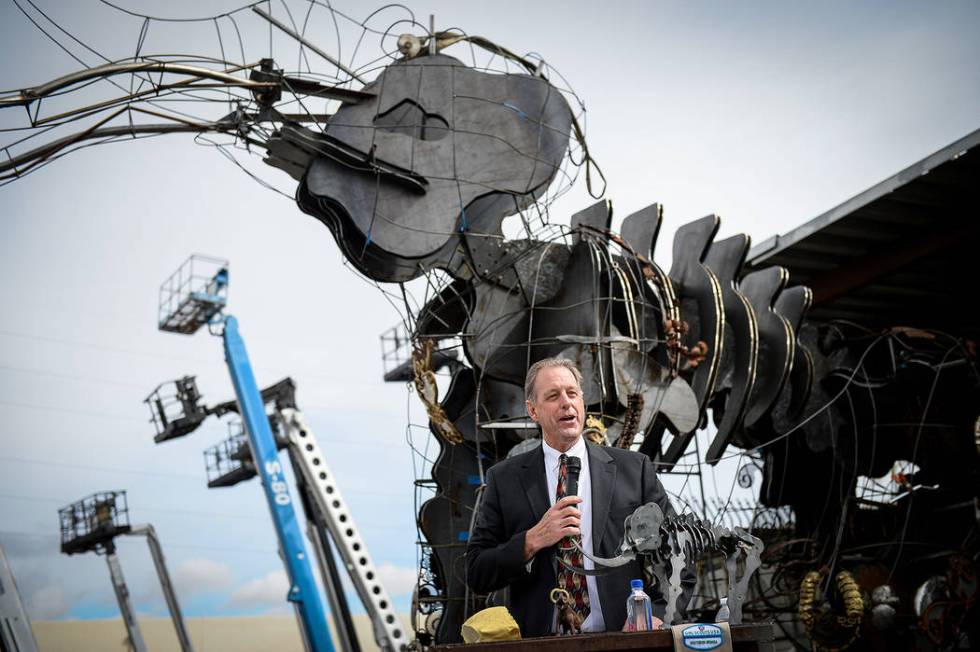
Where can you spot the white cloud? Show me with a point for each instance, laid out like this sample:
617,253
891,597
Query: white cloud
267,591
48,603
398,580
284,609
201,576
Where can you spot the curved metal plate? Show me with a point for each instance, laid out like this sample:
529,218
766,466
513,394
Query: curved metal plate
598,216
702,308
496,338
740,353
640,230
762,289
476,142
793,304
638,373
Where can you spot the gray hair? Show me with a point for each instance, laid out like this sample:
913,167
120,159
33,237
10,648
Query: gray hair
532,373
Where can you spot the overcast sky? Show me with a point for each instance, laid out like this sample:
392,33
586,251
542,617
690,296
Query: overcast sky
766,113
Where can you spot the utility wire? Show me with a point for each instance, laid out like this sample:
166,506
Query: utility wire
143,472
260,515
85,413
169,544
104,469
102,347
211,362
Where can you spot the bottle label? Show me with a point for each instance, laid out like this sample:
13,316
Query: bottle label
702,637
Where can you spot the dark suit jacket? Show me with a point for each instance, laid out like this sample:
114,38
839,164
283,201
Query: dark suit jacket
515,499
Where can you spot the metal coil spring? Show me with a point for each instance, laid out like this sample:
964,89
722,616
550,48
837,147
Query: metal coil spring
848,624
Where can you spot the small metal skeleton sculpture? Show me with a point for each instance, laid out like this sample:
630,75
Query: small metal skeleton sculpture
668,544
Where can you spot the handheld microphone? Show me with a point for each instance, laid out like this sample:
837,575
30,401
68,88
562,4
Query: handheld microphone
574,468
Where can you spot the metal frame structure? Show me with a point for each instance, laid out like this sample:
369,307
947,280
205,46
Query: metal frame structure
93,521
198,302
15,625
122,597
193,295
91,525
330,525
190,299
175,412
396,356
160,563
310,463
230,462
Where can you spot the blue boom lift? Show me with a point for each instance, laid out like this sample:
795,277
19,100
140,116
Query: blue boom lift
190,300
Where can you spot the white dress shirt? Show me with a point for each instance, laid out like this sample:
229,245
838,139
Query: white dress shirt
594,621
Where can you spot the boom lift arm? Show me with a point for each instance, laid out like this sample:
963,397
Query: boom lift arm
310,463
190,300
302,591
156,551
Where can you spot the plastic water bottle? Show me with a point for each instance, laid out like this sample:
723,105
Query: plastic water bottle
724,613
639,610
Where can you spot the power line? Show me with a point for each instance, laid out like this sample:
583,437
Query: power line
107,381
57,501
248,517
79,378
169,544
109,469
106,469
100,347
376,443
86,413
118,383
137,352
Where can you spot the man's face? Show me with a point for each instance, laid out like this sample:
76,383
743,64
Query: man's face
557,407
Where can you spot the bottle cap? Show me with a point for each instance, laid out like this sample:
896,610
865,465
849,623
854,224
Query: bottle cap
636,584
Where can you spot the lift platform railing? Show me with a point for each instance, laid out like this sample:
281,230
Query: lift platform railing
193,295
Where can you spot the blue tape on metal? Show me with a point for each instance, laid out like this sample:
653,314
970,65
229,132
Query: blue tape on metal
514,108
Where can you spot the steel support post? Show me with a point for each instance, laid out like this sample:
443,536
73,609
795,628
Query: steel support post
15,626
156,551
125,606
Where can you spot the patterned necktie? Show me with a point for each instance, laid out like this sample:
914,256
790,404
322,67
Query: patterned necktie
574,583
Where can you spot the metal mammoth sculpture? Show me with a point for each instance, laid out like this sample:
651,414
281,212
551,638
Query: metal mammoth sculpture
417,179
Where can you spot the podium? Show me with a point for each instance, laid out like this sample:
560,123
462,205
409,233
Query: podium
756,637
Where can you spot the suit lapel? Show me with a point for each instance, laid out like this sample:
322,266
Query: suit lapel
603,471
535,483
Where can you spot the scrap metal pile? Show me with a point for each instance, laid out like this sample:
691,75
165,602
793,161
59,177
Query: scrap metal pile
415,173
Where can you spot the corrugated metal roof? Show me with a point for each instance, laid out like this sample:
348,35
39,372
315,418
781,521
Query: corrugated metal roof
903,252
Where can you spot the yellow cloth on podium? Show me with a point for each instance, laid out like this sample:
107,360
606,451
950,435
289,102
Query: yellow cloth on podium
493,624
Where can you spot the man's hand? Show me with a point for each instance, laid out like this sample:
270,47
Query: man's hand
562,520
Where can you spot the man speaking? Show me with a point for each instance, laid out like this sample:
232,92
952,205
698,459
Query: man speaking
527,515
